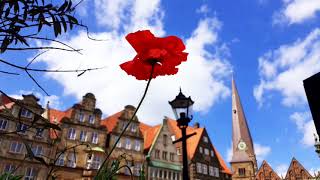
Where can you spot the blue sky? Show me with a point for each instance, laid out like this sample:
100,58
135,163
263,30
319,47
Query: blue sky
269,47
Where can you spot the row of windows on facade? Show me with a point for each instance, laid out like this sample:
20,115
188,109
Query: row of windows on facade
206,151
18,148
20,127
93,161
83,118
132,127
164,174
135,169
128,143
203,169
30,172
72,135
164,155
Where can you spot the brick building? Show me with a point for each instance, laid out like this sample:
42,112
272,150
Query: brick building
82,139
21,128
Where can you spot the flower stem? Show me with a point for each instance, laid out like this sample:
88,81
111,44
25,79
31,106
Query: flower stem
134,114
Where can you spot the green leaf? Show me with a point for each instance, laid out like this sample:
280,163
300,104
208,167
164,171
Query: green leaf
63,22
57,28
63,6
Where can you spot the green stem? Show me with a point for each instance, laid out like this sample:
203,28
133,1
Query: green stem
125,128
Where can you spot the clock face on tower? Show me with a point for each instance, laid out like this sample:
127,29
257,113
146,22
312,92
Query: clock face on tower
242,145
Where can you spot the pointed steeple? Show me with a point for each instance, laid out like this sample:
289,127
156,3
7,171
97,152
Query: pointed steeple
243,149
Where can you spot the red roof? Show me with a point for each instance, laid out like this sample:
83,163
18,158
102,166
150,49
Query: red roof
57,115
149,135
111,121
193,142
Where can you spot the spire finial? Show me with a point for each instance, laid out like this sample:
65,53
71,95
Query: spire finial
180,90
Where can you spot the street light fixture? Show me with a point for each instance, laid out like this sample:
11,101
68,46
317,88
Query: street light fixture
182,108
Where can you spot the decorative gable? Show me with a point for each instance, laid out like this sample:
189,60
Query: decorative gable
297,171
265,172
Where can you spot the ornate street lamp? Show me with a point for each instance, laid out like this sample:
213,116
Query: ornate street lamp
317,144
182,108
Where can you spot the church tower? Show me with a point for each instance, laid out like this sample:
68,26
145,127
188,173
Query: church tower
243,162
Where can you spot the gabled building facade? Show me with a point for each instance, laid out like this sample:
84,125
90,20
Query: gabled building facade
162,160
130,144
265,172
297,172
243,162
82,139
205,162
21,128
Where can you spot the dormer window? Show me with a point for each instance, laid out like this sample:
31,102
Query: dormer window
81,117
26,113
91,119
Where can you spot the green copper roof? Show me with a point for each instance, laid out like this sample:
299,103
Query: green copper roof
165,165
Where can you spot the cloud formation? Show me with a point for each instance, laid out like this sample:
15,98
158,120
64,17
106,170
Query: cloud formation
305,125
203,76
284,69
296,11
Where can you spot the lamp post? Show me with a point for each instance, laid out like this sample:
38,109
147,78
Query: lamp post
182,108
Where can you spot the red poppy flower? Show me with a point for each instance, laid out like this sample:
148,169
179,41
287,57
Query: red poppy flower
162,53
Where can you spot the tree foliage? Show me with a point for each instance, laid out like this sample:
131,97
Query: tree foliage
23,20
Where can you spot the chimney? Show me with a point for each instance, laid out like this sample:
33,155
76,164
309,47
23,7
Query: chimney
165,119
196,125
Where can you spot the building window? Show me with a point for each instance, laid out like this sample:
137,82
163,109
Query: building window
37,150
160,173
200,149
165,139
206,151
212,153
3,124
133,128
72,134
39,132
157,154
204,169
128,143
119,143
95,162
126,170
83,136
95,138
205,139
81,117
137,145
22,128
26,113
9,168
31,174
91,119
164,174
60,160
171,156
173,137
199,168
211,171
137,169
16,147
179,151
164,155
216,171
71,160
242,171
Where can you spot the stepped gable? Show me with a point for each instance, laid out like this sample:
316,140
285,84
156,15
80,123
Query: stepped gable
266,172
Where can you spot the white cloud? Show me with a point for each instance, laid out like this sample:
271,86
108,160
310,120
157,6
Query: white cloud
281,169
203,9
305,125
297,11
43,100
285,68
261,151
114,88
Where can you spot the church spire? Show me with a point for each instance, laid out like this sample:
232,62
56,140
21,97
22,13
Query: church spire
243,150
